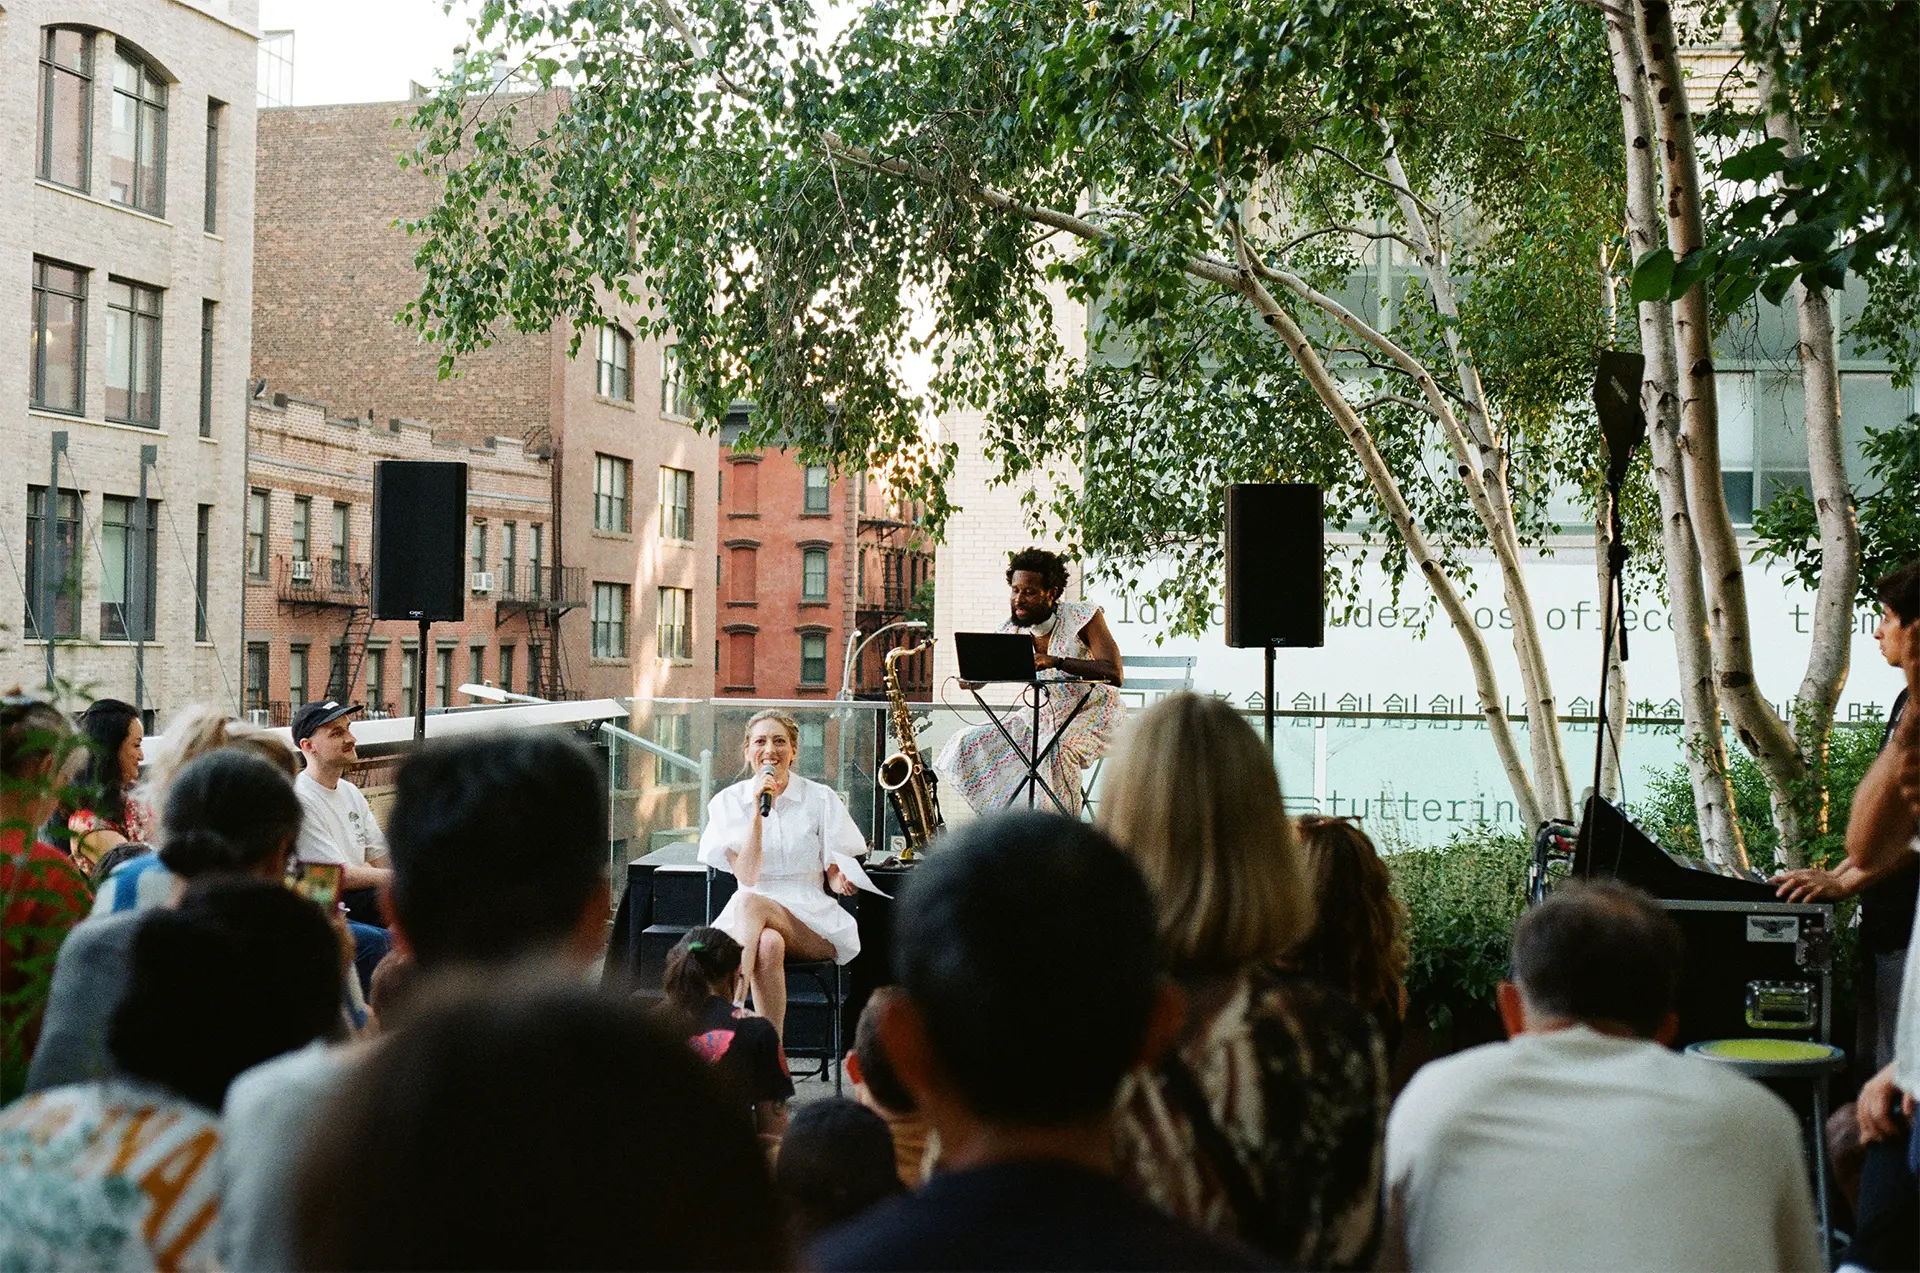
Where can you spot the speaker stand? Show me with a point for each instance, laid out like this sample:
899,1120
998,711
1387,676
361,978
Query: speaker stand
1269,702
426,677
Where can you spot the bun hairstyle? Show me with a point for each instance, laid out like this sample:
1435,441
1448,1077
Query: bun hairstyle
227,812
704,959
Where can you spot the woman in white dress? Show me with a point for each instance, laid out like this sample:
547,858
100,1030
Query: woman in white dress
784,862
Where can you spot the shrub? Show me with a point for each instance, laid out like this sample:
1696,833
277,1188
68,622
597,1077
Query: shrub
1462,900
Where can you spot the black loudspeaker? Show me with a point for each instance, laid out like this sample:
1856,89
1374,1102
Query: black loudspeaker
419,534
1276,566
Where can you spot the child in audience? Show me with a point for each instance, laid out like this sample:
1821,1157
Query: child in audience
703,978
1359,939
877,1087
836,1161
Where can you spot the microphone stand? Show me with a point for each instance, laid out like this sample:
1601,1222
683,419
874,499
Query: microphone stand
1612,618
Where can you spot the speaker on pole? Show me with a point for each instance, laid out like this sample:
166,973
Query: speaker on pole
419,541
1276,566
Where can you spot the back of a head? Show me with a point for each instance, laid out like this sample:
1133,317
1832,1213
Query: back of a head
269,746
1359,942
535,1129
701,961
227,811
836,1160
1599,951
192,732
32,734
876,1068
1192,797
1027,944
498,844
238,973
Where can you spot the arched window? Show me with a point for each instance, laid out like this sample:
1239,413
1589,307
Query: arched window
613,367
66,107
136,173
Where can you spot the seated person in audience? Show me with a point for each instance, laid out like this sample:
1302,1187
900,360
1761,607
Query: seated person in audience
1583,1142
340,826
1265,1121
535,1127
118,1173
391,992
877,1087
1359,938
1025,953
499,858
702,979
228,814
112,860
836,1161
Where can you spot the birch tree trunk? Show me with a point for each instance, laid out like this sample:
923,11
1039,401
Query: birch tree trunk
1832,648
1760,728
1701,736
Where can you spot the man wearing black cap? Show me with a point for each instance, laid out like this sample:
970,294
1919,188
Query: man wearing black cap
338,826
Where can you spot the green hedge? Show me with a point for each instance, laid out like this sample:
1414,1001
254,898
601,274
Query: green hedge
1462,900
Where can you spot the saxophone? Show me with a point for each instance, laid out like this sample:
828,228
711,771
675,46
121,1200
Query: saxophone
910,785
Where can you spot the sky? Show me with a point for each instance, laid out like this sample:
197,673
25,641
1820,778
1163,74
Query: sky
365,50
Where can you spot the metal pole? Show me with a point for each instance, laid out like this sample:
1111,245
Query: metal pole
51,580
426,679
149,456
1269,701
706,784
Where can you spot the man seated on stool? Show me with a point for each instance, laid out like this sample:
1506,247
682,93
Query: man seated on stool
1583,1142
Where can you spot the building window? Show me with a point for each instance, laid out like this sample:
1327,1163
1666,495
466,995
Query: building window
255,686
676,504
740,660
819,487
206,369
812,758
297,676
66,591
674,630
674,399
813,575
257,533
66,107
476,665
675,733
443,676
202,560
123,615
302,528
275,69
337,687
506,668
479,562
59,336
342,517
138,154
609,621
536,541
216,115
613,365
536,669
409,681
746,489
376,664
612,482
509,545
744,562
813,658
133,353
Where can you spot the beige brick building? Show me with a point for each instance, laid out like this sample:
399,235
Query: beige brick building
310,630
126,256
635,484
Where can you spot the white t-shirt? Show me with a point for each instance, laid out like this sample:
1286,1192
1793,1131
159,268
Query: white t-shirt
1577,1150
270,1112
111,1175
1906,1033
337,826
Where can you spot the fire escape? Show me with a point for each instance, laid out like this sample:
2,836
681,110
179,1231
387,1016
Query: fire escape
542,594
331,587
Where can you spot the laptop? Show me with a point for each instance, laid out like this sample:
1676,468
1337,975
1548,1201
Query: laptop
995,656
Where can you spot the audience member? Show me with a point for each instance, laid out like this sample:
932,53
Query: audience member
105,809
1359,940
703,978
42,893
391,992
118,1173
1266,1121
556,1130
1583,1142
228,813
115,857
340,827
499,858
877,1087
836,1161
1031,985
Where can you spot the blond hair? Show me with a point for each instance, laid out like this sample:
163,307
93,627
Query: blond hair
1192,797
788,723
196,730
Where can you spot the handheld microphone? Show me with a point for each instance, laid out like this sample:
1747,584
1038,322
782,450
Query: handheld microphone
766,797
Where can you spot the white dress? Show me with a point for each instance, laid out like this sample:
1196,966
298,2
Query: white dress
807,825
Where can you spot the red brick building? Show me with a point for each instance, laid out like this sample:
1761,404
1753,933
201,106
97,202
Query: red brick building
894,582
632,521
309,627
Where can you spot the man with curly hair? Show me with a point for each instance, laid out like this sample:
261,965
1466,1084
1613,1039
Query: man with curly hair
1071,641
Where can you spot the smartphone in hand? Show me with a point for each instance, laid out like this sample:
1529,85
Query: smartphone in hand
318,882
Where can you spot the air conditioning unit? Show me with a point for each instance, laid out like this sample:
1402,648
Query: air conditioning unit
259,716
483,581
302,571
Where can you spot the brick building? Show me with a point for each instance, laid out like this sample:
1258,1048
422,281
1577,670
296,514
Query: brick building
787,553
332,272
310,631
126,254
894,582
